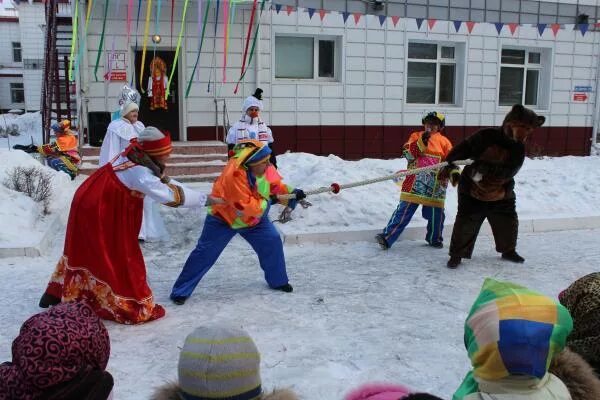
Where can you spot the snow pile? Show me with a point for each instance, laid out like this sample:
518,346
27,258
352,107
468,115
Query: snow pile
29,124
19,213
546,188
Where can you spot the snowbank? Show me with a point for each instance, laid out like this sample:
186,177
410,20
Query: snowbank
29,124
546,188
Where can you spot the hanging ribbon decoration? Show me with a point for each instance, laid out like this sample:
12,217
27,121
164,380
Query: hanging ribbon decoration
225,37
199,31
137,26
181,30
82,44
172,13
250,25
189,86
101,40
112,47
129,11
146,29
262,7
214,44
73,41
157,23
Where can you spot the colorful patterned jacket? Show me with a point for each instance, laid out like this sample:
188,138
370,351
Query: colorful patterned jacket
247,198
425,188
65,148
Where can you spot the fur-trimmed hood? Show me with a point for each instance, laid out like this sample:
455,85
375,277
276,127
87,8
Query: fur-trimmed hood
576,374
170,391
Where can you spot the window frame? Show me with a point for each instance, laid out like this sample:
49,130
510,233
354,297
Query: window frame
19,49
526,66
459,70
14,90
337,57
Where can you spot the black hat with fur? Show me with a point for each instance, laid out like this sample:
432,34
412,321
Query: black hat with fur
522,114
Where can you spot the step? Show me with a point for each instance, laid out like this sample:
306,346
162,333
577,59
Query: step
196,178
201,168
195,148
176,158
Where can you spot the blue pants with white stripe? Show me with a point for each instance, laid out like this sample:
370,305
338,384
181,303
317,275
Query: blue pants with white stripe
404,213
216,233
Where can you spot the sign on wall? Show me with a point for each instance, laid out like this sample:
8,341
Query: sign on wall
116,63
581,97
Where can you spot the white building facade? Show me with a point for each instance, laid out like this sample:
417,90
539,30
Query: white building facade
357,88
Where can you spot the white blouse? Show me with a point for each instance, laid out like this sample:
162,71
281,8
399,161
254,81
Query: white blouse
118,135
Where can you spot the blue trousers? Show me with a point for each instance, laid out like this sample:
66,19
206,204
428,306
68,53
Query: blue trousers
404,213
216,233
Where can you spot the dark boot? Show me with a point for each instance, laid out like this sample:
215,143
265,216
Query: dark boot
453,262
179,300
285,288
437,245
513,256
383,243
48,300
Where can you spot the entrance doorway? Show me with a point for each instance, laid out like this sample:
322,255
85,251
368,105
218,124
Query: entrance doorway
154,111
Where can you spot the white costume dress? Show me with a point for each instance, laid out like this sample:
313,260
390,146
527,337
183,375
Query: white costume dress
118,135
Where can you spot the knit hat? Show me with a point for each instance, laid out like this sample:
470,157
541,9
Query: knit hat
512,330
127,108
219,362
57,349
251,101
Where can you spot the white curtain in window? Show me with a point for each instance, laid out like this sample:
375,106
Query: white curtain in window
294,57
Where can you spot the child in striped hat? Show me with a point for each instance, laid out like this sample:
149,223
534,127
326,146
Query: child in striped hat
219,363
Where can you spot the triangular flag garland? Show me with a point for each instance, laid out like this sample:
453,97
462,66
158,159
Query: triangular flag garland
555,28
311,12
382,19
513,27
457,25
345,15
419,22
395,20
583,28
289,9
541,28
499,26
470,25
322,14
431,23
277,8
356,17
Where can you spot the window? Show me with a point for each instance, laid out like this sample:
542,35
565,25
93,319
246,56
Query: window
33,63
17,55
520,74
432,72
306,57
17,93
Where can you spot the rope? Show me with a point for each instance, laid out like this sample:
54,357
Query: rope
335,188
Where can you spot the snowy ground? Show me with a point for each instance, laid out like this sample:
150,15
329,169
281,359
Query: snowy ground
29,126
357,313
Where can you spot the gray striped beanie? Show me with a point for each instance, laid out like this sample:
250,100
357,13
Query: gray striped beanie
219,362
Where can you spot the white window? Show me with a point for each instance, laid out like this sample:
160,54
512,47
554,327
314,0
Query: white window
434,73
17,93
17,54
307,57
522,77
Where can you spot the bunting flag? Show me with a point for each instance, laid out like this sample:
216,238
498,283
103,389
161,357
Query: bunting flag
470,26
583,28
541,28
176,58
322,14
311,12
499,26
513,27
431,23
345,15
457,25
382,19
569,27
555,28
356,17
206,10
98,55
250,25
395,20
419,22
289,9
73,41
597,25
226,37
144,44
277,8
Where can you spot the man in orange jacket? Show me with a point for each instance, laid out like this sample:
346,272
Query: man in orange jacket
242,194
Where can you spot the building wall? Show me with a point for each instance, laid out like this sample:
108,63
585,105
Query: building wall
31,22
365,113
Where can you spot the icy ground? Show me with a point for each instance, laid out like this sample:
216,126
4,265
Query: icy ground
357,314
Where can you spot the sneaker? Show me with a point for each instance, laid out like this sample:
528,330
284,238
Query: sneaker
437,245
383,243
513,256
453,262
285,288
48,300
179,300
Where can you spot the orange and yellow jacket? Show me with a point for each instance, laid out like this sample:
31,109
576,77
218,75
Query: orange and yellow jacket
247,198
425,188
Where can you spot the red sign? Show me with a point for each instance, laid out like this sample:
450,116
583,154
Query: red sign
116,66
580,97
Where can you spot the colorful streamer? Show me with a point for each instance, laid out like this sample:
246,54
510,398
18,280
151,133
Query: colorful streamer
189,86
181,30
82,45
157,23
262,7
250,25
73,40
144,45
101,40
199,31
129,12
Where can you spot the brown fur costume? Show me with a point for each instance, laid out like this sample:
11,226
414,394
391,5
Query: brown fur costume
576,374
171,392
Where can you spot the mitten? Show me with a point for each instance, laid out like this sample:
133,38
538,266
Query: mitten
31,148
425,137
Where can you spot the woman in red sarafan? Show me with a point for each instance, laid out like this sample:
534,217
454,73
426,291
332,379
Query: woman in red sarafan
102,263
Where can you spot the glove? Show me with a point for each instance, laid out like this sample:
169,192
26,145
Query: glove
274,199
300,195
425,137
454,177
444,173
31,148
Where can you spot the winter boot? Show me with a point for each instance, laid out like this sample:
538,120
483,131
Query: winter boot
453,262
48,300
179,300
285,288
513,256
383,243
436,245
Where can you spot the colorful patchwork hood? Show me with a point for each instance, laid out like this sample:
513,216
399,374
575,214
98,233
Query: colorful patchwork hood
510,331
